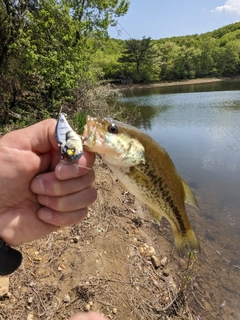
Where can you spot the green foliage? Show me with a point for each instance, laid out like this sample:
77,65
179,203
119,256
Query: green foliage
79,121
141,54
47,46
213,54
106,58
55,51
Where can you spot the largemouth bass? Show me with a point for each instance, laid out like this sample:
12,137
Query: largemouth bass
147,172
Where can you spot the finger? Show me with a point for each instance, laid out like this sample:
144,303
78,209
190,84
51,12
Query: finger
88,316
61,219
66,170
47,184
70,202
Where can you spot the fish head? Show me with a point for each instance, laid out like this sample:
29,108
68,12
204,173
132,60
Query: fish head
114,141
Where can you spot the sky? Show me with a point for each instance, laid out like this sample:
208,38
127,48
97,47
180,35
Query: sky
167,18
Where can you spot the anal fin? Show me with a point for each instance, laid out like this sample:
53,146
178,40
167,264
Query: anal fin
189,196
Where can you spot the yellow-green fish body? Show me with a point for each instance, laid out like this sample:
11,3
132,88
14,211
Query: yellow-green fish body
146,171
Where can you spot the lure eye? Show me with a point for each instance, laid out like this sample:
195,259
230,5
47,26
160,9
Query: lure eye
71,152
113,128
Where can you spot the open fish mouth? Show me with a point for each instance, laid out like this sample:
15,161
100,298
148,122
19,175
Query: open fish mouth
93,135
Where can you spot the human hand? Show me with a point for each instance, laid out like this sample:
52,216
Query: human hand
88,316
38,194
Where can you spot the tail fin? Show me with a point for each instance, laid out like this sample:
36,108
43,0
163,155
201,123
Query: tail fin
186,243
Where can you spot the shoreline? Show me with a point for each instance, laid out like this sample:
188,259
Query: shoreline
123,87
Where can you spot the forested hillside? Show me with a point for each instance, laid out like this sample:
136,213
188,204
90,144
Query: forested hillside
213,54
54,52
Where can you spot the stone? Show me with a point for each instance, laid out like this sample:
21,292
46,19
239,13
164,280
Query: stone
166,272
164,262
30,300
155,261
76,239
87,307
66,298
30,316
151,251
4,286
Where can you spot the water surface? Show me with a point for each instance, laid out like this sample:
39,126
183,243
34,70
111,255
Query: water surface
199,126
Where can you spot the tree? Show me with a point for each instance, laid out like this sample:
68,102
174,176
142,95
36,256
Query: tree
12,21
96,15
139,53
49,45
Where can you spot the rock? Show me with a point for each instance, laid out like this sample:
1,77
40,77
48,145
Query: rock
75,239
147,250
30,300
164,262
166,272
66,298
87,307
114,310
4,286
155,261
151,251
30,316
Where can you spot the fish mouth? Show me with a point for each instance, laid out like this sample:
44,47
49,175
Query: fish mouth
93,135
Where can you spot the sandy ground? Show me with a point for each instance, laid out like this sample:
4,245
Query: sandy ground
118,261
170,83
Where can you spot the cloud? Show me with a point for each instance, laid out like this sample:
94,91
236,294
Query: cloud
229,6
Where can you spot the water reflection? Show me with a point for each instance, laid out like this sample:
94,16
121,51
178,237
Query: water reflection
199,126
201,87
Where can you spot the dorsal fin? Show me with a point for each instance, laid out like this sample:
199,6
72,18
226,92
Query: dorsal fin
189,196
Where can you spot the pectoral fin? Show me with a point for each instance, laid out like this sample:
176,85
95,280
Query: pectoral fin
156,215
189,196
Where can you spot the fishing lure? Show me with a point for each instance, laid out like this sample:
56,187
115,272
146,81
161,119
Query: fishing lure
69,142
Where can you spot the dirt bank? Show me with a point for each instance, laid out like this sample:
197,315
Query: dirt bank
168,84
117,261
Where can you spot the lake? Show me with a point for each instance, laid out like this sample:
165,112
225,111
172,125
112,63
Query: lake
199,126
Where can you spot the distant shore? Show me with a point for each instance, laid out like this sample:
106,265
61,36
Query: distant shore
170,83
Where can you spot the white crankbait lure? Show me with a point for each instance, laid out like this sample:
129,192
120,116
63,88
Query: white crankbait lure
69,142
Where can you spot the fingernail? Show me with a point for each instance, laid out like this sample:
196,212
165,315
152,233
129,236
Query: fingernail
45,214
66,170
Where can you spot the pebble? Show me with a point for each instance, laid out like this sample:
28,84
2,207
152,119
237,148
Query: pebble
151,251
4,286
30,300
76,239
164,261
166,272
37,259
114,310
155,261
67,298
30,316
147,250
87,307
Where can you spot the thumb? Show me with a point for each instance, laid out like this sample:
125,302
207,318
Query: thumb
42,136
39,138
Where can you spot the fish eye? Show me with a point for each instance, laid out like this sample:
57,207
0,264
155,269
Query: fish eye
113,128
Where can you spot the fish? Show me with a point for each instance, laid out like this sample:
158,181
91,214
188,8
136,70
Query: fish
69,142
146,170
